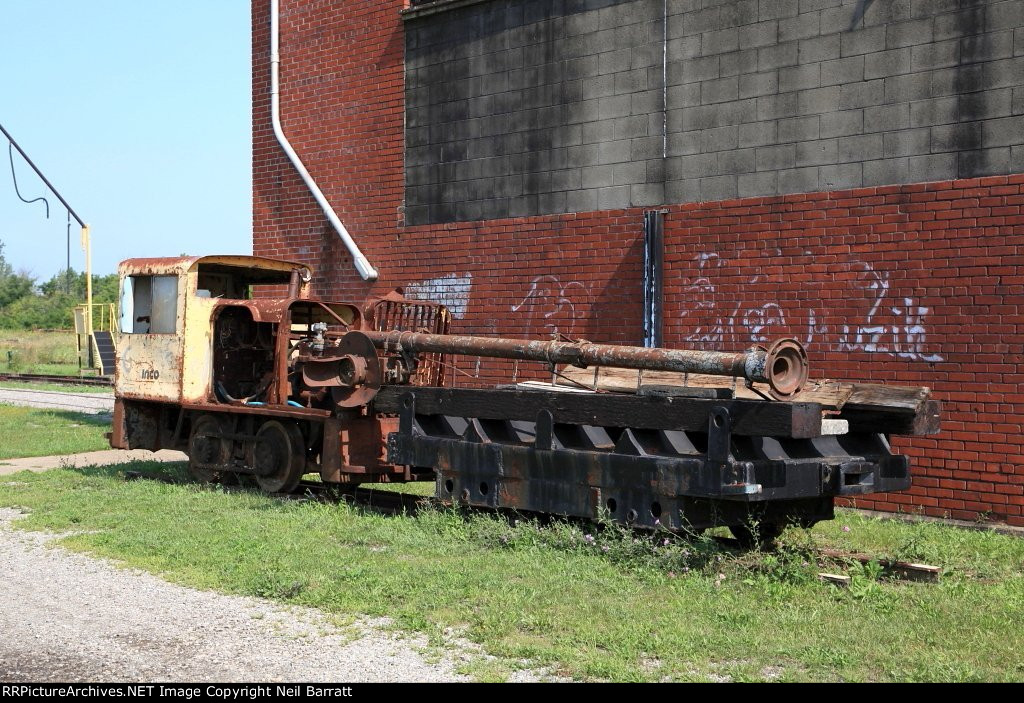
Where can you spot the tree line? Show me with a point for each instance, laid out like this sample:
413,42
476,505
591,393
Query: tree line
26,303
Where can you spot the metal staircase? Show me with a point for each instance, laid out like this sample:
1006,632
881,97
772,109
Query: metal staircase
96,349
103,348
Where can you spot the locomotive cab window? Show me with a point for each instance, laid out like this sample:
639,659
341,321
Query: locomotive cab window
149,305
221,285
218,280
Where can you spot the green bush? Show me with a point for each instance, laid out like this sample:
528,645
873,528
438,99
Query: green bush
26,306
39,312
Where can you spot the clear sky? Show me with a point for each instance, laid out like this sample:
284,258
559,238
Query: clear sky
139,113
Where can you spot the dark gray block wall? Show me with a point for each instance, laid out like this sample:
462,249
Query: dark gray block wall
526,107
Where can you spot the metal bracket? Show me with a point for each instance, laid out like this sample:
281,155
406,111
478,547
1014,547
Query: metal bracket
407,418
719,435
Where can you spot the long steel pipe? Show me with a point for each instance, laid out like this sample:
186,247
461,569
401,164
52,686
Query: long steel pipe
783,365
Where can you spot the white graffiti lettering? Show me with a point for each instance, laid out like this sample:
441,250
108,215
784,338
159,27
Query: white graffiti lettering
737,324
549,307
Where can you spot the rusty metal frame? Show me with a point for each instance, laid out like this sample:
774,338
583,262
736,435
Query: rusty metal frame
641,477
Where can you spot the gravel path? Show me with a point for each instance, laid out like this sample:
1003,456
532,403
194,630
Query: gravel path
103,457
93,403
68,617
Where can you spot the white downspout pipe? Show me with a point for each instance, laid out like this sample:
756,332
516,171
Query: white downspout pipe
368,272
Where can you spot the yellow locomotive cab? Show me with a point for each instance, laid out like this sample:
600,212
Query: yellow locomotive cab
165,350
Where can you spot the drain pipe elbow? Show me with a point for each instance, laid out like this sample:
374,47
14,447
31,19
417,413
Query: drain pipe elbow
362,264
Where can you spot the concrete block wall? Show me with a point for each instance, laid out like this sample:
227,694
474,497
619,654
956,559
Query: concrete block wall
918,283
525,107
785,97
521,107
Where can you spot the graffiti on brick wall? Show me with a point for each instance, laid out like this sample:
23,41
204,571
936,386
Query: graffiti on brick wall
550,307
451,290
740,323
905,338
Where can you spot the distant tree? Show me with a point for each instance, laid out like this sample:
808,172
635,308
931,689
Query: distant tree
23,305
38,312
12,285
104,288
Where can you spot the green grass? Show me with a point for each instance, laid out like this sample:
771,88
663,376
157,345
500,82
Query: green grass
63,387
416,488
35,432
38,352
607,605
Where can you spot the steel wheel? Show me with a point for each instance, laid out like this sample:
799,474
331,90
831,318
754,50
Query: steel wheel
206,445
279,458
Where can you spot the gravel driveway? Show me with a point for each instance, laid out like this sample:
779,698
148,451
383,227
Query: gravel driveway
68,617
59,400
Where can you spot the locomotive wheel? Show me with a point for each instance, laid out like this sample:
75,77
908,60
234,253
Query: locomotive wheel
206,445
760,535
279,458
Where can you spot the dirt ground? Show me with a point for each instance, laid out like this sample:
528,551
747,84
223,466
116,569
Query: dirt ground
68,617
104,457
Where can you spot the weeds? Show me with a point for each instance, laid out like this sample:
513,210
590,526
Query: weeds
613,542
586,601
38,352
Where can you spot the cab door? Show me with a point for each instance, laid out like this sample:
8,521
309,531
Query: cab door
149,350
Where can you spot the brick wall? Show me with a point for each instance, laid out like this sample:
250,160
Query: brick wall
918,284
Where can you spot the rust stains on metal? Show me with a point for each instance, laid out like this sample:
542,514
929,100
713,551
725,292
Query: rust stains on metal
783,365
184,264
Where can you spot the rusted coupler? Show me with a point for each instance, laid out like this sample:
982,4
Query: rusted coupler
783,365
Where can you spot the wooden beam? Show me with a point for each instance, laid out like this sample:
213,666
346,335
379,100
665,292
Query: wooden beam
926,420
907,571
869,407
898,399
837,579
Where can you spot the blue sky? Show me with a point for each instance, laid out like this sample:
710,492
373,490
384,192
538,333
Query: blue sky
139,113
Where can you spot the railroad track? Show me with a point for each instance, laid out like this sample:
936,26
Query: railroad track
49,378
389,502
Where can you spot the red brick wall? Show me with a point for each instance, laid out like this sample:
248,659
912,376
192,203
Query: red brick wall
918,284
342,108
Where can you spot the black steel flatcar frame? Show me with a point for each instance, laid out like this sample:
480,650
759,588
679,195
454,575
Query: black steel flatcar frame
649,461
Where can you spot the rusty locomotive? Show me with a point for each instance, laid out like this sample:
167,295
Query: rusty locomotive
229,359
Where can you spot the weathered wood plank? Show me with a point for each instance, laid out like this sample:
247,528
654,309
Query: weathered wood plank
926,421
755,418
836,579
830,394
905,399
868,407
908,571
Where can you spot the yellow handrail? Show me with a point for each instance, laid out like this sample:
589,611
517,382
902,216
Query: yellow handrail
104,318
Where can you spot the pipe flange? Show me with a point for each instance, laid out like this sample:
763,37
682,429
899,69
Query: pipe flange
786,368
